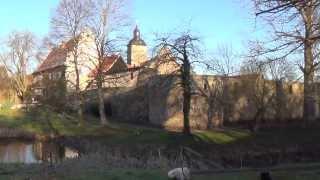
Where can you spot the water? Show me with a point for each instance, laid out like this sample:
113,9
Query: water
34,152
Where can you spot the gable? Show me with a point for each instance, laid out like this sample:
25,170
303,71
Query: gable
55,58
118,66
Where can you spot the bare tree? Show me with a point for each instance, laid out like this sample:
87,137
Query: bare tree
44,48
223,64
296,29
281,72
253,74
213,91
224,61
7,93
110,17
17,60
70,20
183,49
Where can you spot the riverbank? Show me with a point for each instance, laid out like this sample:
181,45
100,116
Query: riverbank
126,147
42,123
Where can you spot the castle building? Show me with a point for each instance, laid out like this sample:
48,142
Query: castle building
59,65
137,50
144,90
58,69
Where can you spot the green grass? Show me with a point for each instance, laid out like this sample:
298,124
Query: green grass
45,122
21,172
222,137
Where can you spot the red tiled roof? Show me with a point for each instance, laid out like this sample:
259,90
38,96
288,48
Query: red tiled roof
109,61
107,64
56,57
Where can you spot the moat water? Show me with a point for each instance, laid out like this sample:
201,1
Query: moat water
34,152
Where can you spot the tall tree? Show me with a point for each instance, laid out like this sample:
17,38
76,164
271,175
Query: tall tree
253,75
224,61
45,46
17,60
183,49
281,72
69,21
224,64
296,29
110,17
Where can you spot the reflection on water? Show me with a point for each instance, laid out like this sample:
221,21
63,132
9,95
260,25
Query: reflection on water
34,152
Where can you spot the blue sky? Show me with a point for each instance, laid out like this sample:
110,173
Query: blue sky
215,21
31,15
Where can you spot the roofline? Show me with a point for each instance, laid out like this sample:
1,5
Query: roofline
39,72
118,56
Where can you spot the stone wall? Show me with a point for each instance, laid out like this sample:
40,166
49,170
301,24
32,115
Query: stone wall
129,104
157,100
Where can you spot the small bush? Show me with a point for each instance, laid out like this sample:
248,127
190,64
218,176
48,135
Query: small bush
6,105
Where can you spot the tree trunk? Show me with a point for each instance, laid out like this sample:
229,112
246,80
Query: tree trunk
78,88
279,100
309,94
186,112
102,113
210,113
186,96
21,98
80,109
309,98
256,121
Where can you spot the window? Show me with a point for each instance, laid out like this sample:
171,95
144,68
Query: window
59,75
290,89
56,75
131,75
205,86
38,92
37,78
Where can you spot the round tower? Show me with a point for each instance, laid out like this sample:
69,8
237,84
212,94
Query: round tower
137,49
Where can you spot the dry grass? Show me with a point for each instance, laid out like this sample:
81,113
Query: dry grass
82,170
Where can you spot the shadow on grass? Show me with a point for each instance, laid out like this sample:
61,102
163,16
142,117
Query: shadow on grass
45,122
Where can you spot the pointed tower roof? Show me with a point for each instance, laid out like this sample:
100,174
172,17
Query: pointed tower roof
136,40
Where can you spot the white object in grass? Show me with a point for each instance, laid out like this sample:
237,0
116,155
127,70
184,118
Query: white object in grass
179,173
